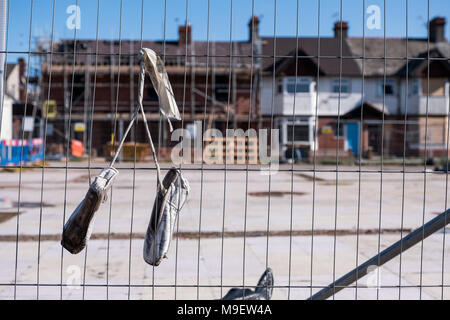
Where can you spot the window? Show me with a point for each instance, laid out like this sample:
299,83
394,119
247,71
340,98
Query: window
302,85
221,92
300,131
339,130
221,88
78,88
342,86
389,87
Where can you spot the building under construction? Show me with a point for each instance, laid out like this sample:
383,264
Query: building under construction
89,83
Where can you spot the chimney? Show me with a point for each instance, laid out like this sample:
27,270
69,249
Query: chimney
340,26
253,28
436,29
183,35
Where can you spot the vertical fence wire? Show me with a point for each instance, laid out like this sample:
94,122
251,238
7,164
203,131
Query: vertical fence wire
230,74
269,167
159,136
252,50
360,135
404,155
337,145
91,128
203,144
134,159
21,149
445,197
382,145
67,137
43,160
316,131
4,79
425,159
5,62
113,140
182,142
292,156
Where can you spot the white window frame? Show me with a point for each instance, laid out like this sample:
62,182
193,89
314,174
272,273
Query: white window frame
336,81
298,123
300,80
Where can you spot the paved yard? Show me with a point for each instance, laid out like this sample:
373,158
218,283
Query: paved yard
238,208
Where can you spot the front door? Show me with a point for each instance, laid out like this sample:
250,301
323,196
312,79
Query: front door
353,136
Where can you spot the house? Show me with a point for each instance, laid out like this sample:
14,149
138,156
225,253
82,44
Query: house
315,90
325,94
13,94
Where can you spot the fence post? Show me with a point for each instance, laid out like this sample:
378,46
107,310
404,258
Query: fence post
2,55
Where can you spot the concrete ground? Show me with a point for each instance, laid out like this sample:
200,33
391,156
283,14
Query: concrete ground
237,203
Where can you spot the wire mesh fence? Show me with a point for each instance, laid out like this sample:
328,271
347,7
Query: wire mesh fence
308,149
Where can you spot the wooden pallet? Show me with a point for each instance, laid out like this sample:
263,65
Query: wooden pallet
232,150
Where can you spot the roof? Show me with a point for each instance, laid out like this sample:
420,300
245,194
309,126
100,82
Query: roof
396,51
352,51
370,109
171,51
285,48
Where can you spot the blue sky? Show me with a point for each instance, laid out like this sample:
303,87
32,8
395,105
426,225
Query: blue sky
154,18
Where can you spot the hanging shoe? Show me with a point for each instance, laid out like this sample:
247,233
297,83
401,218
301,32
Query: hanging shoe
78,228
166,208
240,294
265,285
160,81
263,290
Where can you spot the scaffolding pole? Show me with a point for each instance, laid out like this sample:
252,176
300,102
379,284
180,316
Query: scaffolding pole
87,98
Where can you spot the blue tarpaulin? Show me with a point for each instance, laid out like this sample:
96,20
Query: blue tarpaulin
13,152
